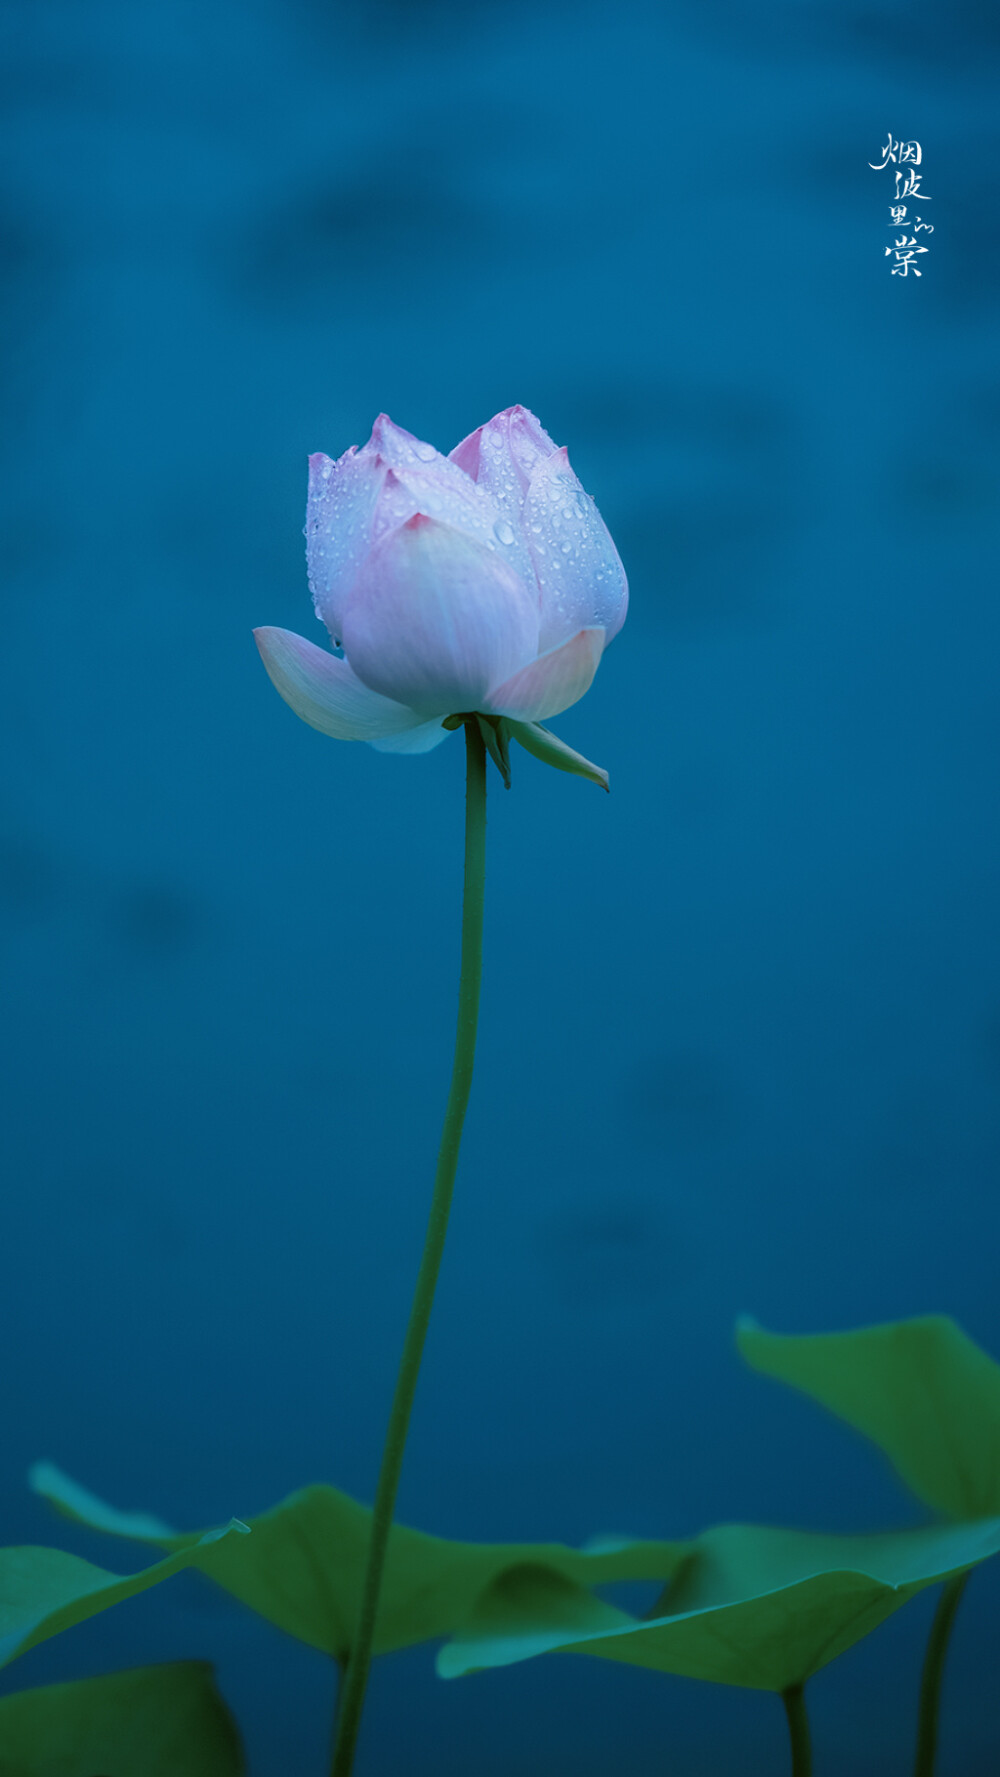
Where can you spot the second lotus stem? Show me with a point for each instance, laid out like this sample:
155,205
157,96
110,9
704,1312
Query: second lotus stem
798,1730
930,1682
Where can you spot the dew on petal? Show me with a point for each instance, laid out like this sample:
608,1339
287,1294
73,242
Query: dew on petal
426,453
503,532
580,576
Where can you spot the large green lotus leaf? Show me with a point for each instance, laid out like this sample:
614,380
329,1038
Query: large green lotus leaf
304,1564
754,1607
43,1591
920,1389
157,1721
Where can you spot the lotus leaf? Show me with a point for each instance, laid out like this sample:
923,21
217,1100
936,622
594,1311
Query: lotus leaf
43,1591
156,1721
919,1389
750,1606
303,1566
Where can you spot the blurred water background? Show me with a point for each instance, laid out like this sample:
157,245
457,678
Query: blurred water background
741,1025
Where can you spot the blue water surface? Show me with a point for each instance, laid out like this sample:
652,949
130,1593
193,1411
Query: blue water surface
741,1022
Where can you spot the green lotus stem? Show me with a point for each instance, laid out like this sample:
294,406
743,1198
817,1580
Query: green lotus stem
798,1730
930,1681
352,1692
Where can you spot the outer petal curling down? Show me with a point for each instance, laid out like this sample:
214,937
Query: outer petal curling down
325,692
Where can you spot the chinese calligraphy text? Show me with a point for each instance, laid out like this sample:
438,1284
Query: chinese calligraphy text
905,157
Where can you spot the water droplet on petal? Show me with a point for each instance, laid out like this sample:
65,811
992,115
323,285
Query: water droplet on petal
503,532
426,453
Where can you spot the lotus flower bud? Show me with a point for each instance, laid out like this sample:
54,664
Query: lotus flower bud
484,582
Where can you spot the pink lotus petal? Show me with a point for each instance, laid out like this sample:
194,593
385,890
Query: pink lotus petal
451,498
324,691
513,440
466,454
501,457
420,479
340,515
579,572
436,618
418,740
424,467
552,682
400,448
